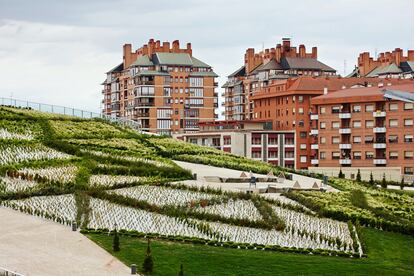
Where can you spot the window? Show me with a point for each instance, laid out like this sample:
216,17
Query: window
303,134
227,140
336,155
408,155
393,106
408,138
193,140
300,99
393,123
303,146
393,154
369,155
303,159
408,122
408,106
322,125
369,139
408,170
256,154
256,140
272,154
323,140
272,140
357,155
357,139
322,155
300,110
336,109
322,110
356,108
356,124
369,108
393,138
335,140
369,123
335,125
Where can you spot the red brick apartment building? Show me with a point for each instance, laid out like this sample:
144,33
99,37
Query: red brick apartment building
260,69
386,65
252,139
165,88
370,129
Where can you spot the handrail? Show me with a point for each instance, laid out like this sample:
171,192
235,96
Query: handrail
6,272
69,111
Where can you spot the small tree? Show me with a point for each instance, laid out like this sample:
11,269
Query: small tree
358,176
181,273
384,182
371,179
402,183
341,174
115,242
148,264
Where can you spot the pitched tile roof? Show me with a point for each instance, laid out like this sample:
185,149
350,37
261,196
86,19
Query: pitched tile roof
172,59
117,68
304,63
143,61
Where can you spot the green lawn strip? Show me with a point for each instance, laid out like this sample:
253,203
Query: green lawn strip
388,254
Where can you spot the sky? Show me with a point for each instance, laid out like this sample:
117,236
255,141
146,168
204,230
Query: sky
57,52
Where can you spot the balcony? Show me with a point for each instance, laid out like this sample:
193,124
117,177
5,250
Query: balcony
381,161
314,117
380,145
345,161
314,146
345,115
378,114
314,161
380,129
345,146
345,131
314,132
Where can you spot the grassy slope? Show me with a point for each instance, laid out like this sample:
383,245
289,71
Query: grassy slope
388,254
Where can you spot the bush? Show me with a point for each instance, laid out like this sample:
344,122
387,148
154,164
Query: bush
358,176
341,174
371,179
358,199
384,182
148,264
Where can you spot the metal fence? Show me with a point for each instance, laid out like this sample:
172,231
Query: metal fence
62,110
6,272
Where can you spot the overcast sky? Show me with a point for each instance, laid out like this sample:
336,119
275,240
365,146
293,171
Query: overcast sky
58,51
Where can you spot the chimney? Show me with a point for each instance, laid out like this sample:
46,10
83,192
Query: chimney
314,52
302,51
151,45
189,50
286,44
410,55
166,46
176,46
278,52
157,44
127,55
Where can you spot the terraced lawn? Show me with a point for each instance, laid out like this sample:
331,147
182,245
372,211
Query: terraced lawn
388,254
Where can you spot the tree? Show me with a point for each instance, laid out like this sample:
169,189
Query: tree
148,264
384,182
371,179
181,273
115,243
358,176
341,174
402,183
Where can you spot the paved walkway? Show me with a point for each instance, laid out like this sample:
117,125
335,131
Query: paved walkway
34,246
204,171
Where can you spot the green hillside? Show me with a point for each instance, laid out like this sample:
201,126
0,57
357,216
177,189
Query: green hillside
106,177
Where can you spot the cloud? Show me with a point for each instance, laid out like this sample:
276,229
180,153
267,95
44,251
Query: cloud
58,51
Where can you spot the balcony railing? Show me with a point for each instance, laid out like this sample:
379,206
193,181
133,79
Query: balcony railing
345,131
380,129
378,114
314,117
314,161
345,115
345,161
314,146
314,132
380,145
380,161
345,146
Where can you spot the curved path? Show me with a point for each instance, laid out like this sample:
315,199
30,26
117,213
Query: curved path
34,246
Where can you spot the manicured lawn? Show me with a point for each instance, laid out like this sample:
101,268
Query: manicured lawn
388,254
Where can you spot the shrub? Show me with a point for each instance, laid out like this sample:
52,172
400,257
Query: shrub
341,174
384,182
402,183
371,179
148,264
358,199
115,243
358,176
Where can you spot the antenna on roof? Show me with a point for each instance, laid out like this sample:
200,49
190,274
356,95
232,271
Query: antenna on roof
344,67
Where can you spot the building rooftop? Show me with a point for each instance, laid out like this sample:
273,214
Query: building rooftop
304,63
117,69
367,94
